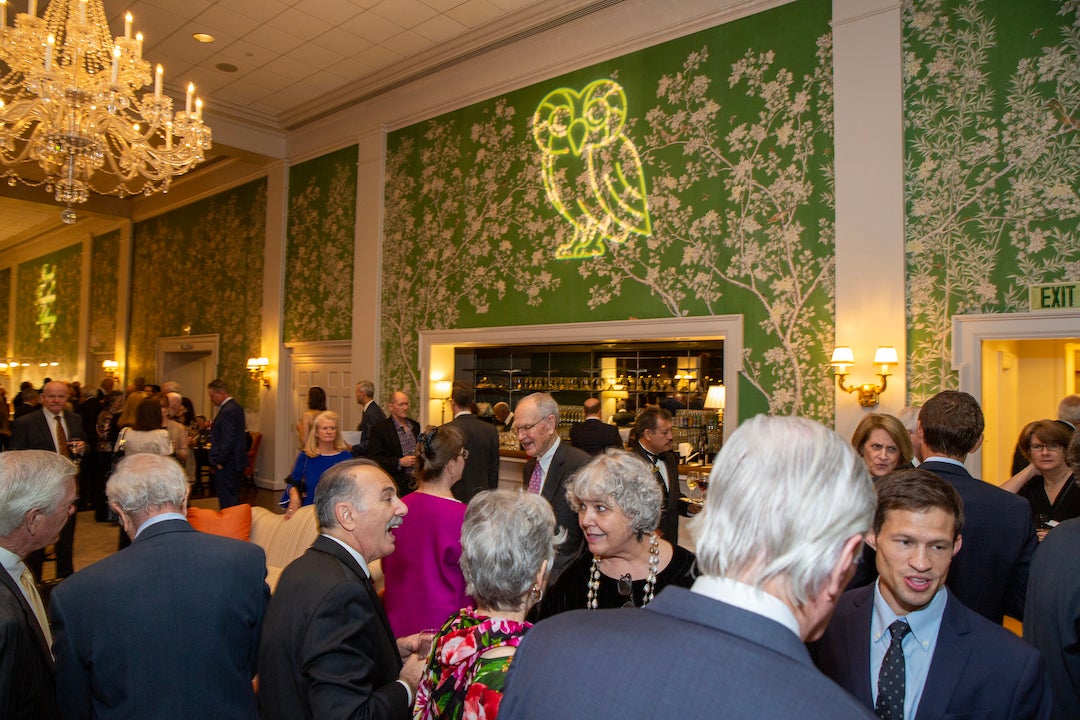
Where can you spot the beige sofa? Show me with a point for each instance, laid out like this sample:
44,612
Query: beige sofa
285,540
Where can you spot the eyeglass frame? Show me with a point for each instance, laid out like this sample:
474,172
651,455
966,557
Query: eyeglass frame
517,430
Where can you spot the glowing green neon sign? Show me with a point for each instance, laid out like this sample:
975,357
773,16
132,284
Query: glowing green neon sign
592,171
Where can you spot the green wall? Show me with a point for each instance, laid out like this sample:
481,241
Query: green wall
47,309
104,281
5,303
992,118
319,257
202,265
731,129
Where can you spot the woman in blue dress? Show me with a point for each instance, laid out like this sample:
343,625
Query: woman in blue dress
324,449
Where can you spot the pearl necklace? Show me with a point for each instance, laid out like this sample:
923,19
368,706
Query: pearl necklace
650,581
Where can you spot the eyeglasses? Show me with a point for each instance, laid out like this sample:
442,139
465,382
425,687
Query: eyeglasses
626,589
518,429
1051,447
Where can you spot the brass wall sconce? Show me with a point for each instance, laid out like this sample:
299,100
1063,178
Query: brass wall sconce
111,368
256,368
843,358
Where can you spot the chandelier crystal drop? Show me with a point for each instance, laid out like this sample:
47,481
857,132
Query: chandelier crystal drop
71,116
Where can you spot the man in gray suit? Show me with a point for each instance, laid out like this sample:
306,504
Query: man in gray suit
774,558
551,463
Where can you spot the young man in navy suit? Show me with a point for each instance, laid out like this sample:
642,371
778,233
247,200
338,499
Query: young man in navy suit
905,646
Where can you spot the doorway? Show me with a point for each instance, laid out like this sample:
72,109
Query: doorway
192,361
1018,366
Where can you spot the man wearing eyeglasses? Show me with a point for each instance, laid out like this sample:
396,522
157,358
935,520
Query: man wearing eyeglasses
551,463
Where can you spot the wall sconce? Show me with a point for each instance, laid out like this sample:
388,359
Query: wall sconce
256,368
442,392
111,368
843,358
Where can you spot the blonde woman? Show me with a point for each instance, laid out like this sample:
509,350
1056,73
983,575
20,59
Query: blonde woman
324,448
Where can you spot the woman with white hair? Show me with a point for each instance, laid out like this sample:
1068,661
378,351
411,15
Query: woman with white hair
618,499
508,543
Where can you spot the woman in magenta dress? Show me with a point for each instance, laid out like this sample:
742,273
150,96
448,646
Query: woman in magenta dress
423,580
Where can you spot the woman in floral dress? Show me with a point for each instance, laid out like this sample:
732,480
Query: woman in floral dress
507,544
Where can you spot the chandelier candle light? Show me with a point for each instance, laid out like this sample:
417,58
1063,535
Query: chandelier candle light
70,118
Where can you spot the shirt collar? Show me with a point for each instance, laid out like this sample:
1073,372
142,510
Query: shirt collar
747,597
924,622
12,563
545,459
352,551
942,459
159,518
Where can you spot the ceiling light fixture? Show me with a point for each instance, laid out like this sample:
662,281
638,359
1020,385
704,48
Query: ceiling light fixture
69,115
204,37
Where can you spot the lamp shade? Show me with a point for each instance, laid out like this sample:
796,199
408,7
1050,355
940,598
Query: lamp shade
843,355
442,388
716,398
885,355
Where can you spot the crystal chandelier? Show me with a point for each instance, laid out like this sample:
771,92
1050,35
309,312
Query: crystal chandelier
70,118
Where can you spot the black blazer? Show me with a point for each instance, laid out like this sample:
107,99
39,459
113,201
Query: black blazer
990,573
227,443
566,461
672,505
32,431
1051,612
27,682
385,449
327,648
594,436
482,467
979,669
167,628
372,414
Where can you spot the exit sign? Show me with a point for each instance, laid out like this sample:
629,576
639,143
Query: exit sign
1055,296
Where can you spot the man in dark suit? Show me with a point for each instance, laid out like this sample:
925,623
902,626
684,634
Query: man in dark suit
54,429
593,435
393,442
327,647
481,440
989,573
228,448
1052,612
372,414
551,463
37,494
905,646
653,431
170,626
765,588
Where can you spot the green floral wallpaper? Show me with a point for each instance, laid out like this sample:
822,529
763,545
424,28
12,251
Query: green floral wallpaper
319,258
992,113
47,309
5,299
691,178
202,265
104,266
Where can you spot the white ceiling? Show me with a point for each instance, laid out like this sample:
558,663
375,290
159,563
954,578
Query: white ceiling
298,60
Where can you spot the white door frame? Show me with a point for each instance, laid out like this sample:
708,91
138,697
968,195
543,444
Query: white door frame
969,332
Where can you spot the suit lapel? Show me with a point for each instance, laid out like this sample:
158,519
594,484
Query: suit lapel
857,645
947,666
28,615
326,545
551,477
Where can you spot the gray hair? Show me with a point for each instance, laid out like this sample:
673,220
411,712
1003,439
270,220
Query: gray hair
909,417
31,480
367,387
338,485
545,405
171,387
505,539
144,482
626,481
785,494
1069,409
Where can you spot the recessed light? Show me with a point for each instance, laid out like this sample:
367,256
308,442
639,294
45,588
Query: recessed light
226,67
204,37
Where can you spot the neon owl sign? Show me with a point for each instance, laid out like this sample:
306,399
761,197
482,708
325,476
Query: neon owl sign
592,171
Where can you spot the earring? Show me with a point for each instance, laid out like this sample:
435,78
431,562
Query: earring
537,593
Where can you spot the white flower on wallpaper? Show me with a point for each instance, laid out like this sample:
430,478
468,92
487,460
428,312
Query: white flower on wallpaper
992,167
319,261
